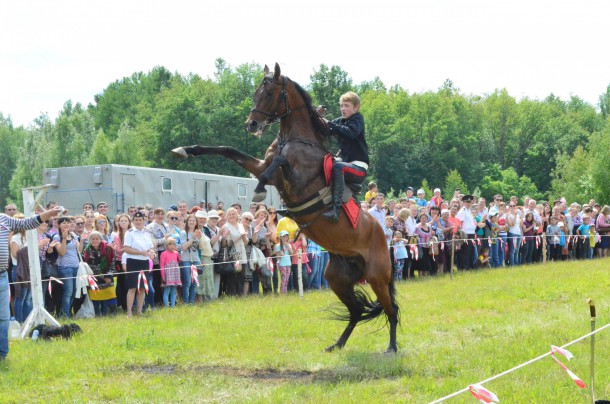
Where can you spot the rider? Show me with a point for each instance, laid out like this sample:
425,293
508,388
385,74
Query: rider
354,157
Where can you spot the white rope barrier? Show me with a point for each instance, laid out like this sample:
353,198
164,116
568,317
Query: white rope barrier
529,362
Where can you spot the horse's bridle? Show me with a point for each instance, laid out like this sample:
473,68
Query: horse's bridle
275,117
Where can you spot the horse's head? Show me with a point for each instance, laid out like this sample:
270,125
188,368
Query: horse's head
270,102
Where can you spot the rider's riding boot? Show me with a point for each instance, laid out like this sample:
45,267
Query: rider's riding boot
335,210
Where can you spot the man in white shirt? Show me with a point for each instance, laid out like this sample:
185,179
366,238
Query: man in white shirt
378,211
469,226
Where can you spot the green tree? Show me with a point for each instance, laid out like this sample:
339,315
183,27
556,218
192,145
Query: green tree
11,140
327,86
130,99
454,181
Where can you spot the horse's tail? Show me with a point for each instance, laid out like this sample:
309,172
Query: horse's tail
367,308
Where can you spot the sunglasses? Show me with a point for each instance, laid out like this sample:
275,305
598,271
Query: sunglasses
100,221
79,223
247,219
174,218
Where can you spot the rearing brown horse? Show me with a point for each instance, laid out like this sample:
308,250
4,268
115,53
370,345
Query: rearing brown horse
293,163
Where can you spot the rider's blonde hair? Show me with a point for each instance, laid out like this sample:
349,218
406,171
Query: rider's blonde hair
351,97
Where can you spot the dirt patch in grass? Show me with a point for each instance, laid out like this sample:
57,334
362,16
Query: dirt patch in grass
269,374
255,374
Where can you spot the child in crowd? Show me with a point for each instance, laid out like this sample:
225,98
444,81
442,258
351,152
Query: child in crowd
562,242
169,263
400,253
371,193
483,260
283,250
552,233
387,229
592,241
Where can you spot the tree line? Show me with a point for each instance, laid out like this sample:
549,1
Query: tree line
483,144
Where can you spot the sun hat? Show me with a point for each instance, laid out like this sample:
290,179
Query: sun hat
213,214
201,213
284,233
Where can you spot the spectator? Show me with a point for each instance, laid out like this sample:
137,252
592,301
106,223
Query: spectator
371,193
123,224
8,224
514,221
205,290
170,272
183,212
189,258
527,228
468,225
139,249
421,198
213,232
246,275
234,231
102,225
602,225
283,250
10,210
102,209
68,247
378,211
436,199
100,257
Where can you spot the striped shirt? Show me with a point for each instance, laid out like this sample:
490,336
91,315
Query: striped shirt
8,224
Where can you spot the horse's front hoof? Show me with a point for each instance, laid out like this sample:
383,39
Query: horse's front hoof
332,348
180,152
259,196
391,351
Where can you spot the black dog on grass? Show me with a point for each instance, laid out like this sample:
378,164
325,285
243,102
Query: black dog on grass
48,332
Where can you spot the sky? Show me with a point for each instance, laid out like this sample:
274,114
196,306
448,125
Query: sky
55,51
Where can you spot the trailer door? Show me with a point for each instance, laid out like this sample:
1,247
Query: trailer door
129,190
199,191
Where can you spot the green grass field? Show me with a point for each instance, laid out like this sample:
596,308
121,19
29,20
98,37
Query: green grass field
270,349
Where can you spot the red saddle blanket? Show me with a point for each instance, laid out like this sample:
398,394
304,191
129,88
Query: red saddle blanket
351,207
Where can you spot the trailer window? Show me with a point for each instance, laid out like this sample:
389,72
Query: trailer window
242,191
166,185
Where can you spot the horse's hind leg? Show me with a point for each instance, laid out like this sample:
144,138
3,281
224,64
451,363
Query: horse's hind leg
382,284
341,278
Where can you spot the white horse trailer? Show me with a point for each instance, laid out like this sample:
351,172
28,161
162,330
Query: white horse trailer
123,186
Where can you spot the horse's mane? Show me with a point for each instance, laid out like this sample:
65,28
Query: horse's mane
319,125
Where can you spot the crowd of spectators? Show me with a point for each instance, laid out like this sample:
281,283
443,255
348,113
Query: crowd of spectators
150,257
425,236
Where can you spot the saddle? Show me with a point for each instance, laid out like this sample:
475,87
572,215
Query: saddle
350,206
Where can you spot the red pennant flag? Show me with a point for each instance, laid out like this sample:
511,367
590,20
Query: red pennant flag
194,274
51,279
482,394
568,355
142,277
